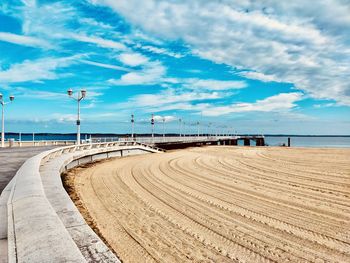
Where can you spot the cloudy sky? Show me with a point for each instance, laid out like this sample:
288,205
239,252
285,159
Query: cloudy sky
250,66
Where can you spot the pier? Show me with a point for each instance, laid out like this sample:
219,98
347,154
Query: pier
179,142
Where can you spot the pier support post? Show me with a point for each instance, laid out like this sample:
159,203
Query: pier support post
246,142
260,142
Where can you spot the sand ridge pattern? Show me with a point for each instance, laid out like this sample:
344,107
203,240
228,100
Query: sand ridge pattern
223,204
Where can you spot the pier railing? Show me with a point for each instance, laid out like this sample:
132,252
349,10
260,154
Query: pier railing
13,143
165,139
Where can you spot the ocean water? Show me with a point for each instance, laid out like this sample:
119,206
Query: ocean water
296,141
309,141
43,137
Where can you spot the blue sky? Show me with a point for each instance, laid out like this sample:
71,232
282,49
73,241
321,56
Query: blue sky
276,67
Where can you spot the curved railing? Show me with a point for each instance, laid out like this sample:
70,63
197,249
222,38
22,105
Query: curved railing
43,225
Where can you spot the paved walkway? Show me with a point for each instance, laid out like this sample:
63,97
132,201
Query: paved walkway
11,160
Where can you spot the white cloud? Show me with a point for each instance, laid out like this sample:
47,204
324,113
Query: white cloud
52,21
326,105
36,70
92,22
150,74
301,42
171,96
103,65
212,84
171,99
62,118
133,59
161,51
167,118
24,40
258,76
102,42
46,20
282,102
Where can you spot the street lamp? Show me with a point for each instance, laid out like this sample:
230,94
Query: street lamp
3,103
197,128
152,123
80,96
180,127
132,126
163,128
183,129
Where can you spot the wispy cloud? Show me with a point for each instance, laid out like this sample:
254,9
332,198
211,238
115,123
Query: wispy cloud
104,65
24,40
93,23
133,59
212,84
257,76
36,70
160,50
99,41
151,73
282,102
204,103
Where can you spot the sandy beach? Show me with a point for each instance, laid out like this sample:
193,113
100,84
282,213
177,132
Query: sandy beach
221,204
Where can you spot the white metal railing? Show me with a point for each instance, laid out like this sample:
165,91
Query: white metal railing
13,143
104,139
164,139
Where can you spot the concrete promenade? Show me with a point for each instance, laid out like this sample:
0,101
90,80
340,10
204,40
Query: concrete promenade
11,160
39,222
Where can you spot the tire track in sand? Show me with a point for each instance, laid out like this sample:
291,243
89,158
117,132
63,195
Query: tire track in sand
223,204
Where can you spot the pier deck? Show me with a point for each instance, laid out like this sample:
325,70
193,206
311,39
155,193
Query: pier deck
179,142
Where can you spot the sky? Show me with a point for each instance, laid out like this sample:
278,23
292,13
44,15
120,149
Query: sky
263,67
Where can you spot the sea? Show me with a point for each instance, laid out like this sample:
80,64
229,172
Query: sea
270,140
310,141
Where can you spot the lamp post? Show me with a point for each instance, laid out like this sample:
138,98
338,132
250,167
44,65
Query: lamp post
208,131
197,128
132,126
184,129
81,95
152,123
163,128
180,127
3,103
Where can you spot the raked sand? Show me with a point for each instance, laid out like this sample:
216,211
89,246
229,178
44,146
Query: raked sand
221,204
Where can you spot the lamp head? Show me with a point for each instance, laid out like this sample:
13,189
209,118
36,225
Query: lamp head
12,98
70,92
83,93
